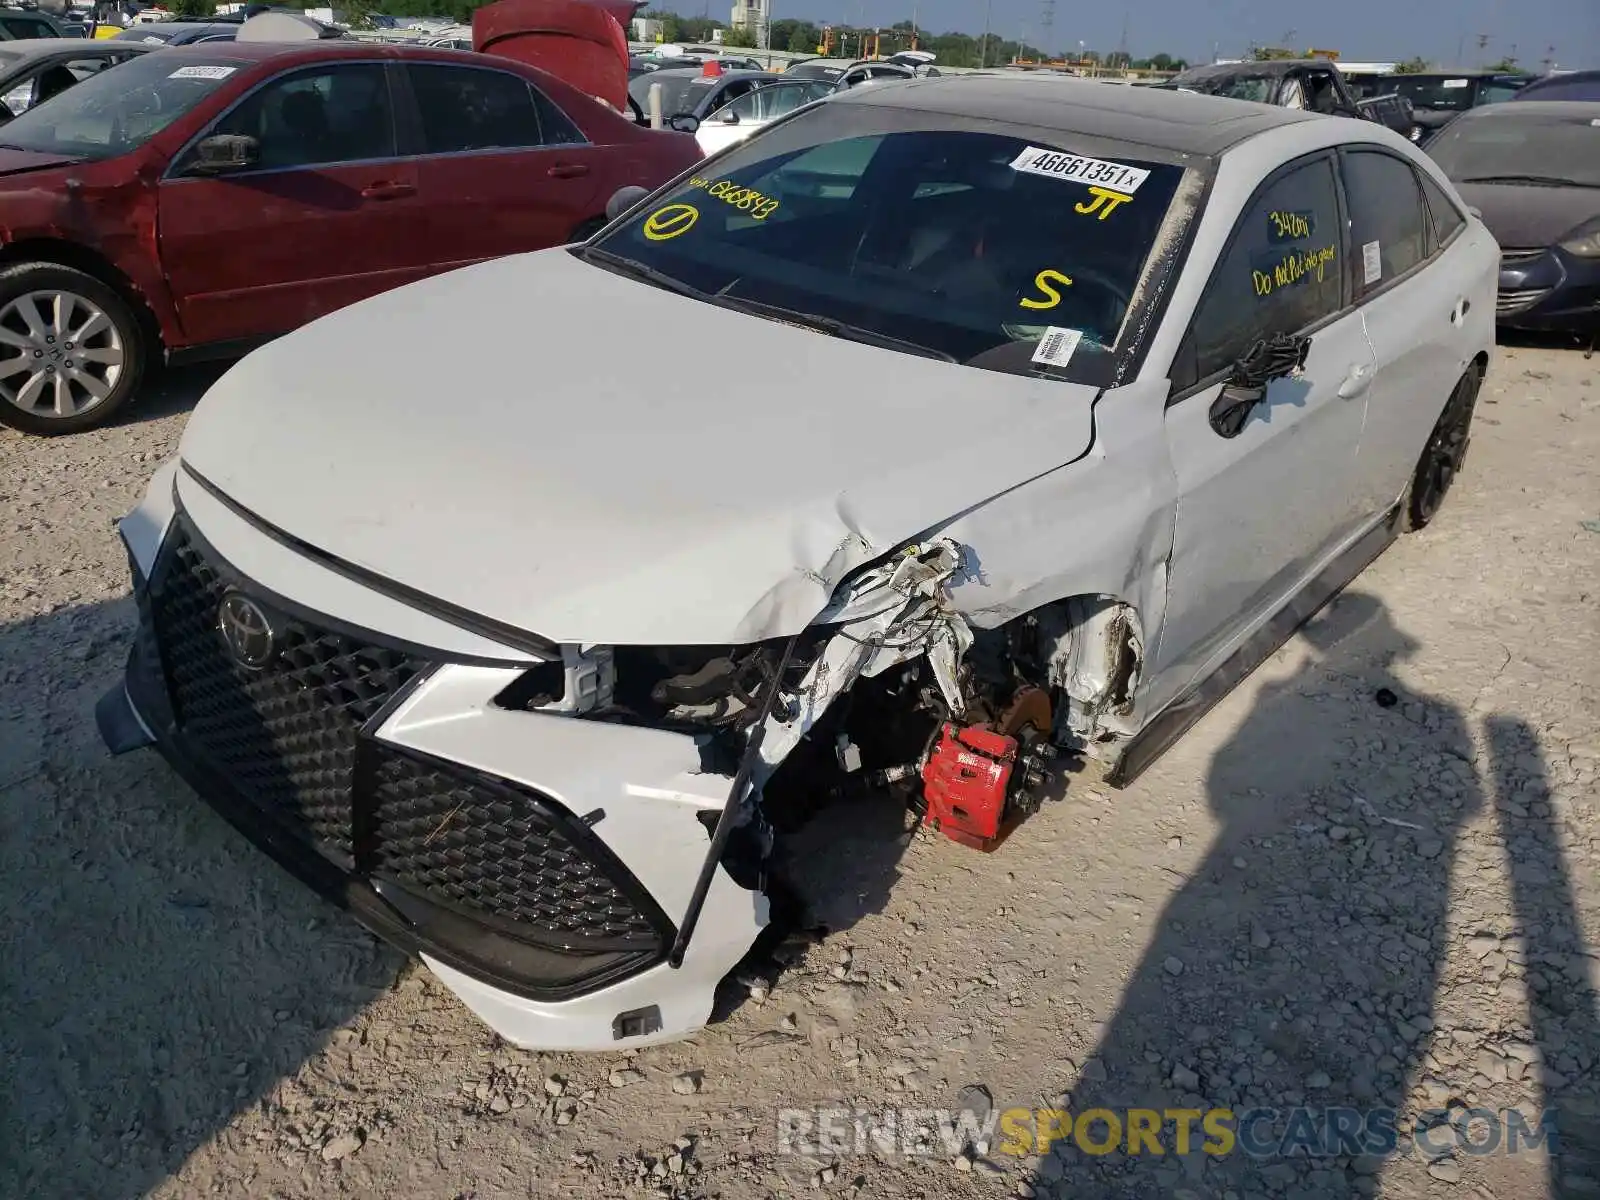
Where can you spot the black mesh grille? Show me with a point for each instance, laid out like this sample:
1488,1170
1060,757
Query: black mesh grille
287,739
492,847
284,735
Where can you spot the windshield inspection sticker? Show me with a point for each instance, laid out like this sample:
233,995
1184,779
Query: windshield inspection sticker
1056,346
1057,164
672,221
1371,262
202,73
1454,83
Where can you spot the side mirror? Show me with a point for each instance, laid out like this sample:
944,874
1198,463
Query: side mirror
1276,357
623,199
684,123
223,152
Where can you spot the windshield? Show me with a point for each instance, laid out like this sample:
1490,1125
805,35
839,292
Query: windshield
113,112
675,91
1258,88
1535,146
976,244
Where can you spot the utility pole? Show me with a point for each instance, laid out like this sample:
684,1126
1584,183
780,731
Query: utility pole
1047,20
983,49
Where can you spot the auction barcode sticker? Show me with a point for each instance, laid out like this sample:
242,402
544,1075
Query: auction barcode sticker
1058,164
1056,346
202,72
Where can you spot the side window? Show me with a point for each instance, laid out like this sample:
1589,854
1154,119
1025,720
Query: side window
318,117
556,127
1281,273
1447,218
468,108
747,107
1388,232
26,27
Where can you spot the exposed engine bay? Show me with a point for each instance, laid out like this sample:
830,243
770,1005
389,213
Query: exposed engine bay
889,689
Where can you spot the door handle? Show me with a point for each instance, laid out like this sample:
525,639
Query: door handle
388,191
568,171
1459,313
1356,383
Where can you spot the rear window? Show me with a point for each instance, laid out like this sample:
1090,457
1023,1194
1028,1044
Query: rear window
1444,95
988,246
114,112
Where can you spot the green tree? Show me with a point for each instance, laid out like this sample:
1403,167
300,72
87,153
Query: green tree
1412,66
1161,62
1268,53
744,39
1507,66
357,14
194,10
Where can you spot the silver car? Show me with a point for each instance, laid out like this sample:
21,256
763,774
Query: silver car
1042,412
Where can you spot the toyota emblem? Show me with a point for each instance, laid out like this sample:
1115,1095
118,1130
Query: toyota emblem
246,631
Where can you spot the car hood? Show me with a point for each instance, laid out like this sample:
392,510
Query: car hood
15,162
1524,216
593,459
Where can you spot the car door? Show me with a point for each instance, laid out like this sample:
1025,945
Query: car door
503,170
1258,510
737,120
1417,279
328,215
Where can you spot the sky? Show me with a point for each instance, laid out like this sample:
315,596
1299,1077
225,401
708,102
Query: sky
1361,30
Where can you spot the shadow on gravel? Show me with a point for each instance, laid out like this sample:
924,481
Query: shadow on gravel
1565,1024
158,974
1298,966
167,390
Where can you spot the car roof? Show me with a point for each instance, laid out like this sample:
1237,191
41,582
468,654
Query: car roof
1545,110
46,47
1174,121
325,48
686,72
1266,67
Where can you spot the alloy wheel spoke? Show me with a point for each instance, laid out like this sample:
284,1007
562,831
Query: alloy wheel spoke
110,356
28,394
97,323
65,405
95,387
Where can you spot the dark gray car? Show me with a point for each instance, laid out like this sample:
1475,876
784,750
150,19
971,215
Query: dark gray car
689,90
180,33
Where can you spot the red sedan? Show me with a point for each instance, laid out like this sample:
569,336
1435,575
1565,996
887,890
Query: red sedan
204,198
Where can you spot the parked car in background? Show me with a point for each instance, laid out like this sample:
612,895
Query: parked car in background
226,193
909,64
180,33
691,92
820,68
1436,99
1312,84
1533,170
21,24
742,116
33,71
1137,380
1569,85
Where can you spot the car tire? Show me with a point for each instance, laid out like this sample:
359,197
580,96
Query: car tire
51,381
1443,455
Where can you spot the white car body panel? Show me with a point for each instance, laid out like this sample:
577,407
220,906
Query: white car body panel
560,497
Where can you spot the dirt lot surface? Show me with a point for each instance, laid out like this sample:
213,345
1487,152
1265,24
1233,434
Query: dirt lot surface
1316,898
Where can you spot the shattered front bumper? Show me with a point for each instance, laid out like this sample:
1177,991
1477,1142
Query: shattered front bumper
537,864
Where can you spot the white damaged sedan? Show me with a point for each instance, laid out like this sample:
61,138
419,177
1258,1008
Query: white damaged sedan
1068,403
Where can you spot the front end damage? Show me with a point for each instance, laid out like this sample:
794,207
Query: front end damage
580,841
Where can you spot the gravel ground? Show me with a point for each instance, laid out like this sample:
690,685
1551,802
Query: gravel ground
1316,898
